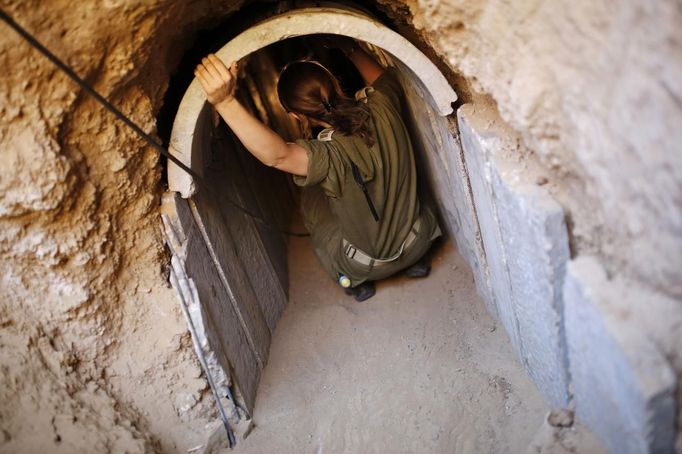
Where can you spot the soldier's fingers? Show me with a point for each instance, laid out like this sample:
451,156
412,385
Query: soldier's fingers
206,69
220,66
202,80
203,72
211,68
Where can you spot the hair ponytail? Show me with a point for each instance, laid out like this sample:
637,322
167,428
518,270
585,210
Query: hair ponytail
308,88
351,117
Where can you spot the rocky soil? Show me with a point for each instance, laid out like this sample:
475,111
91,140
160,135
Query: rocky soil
94,352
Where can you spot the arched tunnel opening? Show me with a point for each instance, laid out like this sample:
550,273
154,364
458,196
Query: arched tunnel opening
236,270
243,209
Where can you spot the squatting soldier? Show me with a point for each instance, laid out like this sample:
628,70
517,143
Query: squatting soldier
359,200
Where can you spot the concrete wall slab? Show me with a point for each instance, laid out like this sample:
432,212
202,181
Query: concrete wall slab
187,293
535,243
623,386
526,247
253,247
441,162
476,153
218,319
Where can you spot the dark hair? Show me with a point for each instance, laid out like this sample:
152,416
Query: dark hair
308,88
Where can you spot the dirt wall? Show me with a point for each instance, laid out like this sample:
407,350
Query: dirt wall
94,351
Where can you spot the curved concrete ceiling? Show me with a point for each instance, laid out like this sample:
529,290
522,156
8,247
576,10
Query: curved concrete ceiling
305,21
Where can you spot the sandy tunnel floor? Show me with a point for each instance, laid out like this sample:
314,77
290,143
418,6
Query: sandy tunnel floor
419,368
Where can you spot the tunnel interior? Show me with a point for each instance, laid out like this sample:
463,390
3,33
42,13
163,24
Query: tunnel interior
235,223
492,193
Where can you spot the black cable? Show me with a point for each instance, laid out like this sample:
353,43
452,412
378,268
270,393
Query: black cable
264,222
121,116
89,90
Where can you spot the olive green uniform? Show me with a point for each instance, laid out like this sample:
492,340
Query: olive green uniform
334,205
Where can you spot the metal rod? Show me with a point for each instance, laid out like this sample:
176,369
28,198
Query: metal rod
204,364
89,90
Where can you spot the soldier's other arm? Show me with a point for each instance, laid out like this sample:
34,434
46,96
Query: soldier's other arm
369,68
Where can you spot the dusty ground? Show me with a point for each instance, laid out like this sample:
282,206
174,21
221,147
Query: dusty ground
419,368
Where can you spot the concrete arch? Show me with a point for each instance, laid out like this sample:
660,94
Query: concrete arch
305,21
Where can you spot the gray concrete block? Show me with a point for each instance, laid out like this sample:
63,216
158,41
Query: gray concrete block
623,386
220,248
535,243
526,247
441,163
477,153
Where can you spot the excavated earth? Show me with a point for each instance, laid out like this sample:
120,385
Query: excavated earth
94,354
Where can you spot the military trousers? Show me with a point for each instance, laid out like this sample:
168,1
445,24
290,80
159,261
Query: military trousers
327,240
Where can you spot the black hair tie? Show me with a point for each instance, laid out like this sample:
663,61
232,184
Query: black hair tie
327,106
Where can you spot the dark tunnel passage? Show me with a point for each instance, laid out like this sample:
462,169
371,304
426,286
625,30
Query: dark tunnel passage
235,223
236,270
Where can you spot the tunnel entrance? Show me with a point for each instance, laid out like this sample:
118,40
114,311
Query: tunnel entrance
229,269
493,195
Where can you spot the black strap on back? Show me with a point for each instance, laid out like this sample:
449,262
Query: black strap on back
358,179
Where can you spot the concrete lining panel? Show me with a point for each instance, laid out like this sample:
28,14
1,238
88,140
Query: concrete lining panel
213,313
231,273
535,243
229,182
623,386
479,146
526,248
186,291
440,160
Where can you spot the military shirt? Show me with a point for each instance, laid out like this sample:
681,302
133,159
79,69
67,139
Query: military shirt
389,173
